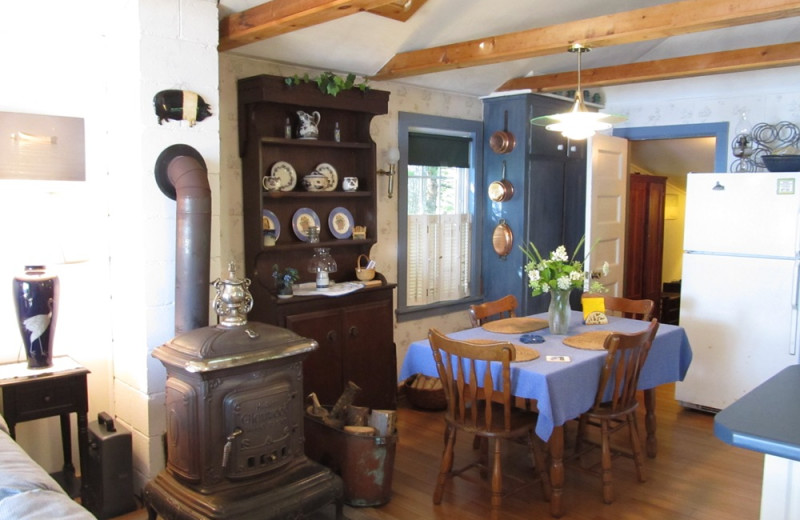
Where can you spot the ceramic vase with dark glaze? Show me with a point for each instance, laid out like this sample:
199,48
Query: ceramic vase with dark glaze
36,300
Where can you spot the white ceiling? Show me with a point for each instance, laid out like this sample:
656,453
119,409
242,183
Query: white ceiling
362,43
673,158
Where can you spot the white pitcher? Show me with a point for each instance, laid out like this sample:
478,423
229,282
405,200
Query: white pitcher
308,125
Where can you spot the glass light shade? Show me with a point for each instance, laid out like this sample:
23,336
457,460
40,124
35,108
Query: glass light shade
579,123
322,263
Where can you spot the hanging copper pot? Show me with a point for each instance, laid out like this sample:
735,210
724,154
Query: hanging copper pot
502,239
502,190
502,141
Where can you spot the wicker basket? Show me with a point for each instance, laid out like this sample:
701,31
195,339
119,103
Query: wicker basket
423,398
362,273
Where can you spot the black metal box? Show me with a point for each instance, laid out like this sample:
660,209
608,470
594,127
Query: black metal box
110,472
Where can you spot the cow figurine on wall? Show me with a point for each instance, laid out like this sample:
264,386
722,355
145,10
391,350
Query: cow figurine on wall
180,105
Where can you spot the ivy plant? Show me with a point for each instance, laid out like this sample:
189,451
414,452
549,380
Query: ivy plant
329,83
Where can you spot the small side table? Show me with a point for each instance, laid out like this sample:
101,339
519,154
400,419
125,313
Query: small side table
61,389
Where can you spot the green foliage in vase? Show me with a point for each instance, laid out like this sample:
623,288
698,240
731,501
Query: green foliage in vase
286,278
558,272
329,83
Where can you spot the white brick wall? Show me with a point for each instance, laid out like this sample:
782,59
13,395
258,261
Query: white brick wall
105,66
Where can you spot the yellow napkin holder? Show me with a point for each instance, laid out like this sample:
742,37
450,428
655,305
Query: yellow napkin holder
594,311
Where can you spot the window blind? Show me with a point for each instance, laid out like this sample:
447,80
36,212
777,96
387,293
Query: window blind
438,150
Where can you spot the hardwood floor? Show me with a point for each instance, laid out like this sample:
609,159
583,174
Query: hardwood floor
694,477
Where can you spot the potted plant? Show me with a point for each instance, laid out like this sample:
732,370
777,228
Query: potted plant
284,280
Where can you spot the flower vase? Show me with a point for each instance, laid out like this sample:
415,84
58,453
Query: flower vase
36,299
285,290
558,313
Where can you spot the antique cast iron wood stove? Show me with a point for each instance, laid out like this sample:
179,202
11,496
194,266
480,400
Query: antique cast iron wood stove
234,392
235,421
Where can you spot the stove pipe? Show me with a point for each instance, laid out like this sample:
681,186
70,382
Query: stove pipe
182,176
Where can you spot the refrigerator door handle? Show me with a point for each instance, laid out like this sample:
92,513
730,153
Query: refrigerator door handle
795,294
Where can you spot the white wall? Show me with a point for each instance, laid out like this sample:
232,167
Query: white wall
103,61
767,96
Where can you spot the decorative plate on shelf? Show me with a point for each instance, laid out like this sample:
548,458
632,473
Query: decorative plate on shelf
303,219
285,172
340,221
269,222
330,173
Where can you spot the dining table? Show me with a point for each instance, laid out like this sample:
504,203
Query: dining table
563,379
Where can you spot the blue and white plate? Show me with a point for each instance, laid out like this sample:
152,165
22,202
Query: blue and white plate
303,219
269,222
340,222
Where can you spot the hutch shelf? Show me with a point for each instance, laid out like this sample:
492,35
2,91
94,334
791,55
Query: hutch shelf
355,331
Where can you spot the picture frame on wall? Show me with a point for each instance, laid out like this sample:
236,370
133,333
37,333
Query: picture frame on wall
42,147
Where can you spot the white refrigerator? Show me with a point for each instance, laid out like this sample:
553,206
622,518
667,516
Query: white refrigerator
739,289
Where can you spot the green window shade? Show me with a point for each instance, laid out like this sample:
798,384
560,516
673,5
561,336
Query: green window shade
438,150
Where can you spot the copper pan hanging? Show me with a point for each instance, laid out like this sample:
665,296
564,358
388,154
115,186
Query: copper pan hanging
502,190
502,239
502,141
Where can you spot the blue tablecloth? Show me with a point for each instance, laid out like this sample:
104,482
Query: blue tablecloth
566,390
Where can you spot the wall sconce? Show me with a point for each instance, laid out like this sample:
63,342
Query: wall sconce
394,157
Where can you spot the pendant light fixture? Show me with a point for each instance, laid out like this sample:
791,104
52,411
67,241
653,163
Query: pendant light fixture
579,122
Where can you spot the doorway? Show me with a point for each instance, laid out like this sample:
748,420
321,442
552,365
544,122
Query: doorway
672,152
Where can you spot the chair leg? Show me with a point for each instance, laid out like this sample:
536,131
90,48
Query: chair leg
541,465
446,466
483,457
636,446
497,475
608,484
581,432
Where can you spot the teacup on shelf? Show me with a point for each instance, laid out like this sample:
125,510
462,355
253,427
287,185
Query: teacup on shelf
350,184
271,183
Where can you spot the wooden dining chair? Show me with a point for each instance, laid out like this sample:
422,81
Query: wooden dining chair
479,402
615,403
626,307
505,307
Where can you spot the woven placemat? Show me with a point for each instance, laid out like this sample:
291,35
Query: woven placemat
515,325
523,353
588,340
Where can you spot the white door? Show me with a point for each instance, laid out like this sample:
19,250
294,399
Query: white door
607,188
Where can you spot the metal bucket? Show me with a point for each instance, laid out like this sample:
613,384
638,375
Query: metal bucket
365,462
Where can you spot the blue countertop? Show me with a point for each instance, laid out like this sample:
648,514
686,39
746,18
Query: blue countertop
767,419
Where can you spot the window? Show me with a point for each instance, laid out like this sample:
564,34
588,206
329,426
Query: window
439,252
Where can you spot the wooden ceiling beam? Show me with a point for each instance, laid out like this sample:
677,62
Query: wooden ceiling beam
754,58
644,24
400,10
283,16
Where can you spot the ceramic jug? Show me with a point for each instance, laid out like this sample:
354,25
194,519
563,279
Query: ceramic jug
308,125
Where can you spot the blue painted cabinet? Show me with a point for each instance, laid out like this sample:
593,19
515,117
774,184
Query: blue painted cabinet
548,208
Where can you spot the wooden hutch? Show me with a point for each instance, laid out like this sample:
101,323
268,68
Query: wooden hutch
354,331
